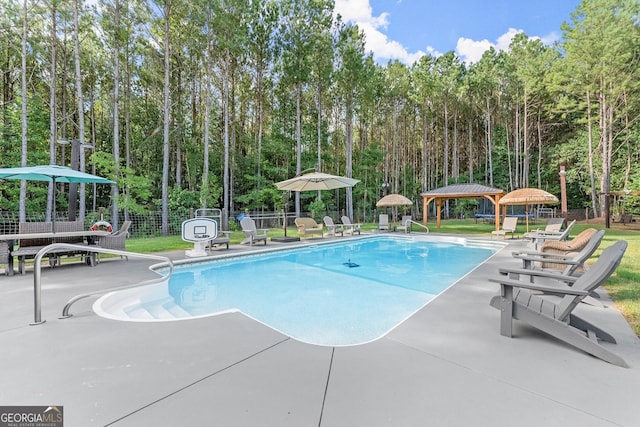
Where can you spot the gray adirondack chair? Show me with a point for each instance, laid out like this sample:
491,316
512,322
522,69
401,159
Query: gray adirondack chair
520,299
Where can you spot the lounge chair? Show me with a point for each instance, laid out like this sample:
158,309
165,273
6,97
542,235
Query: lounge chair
308,226
332,228
563,247
251,233
116,240
405,224
571,262
554,226
541,238
348,227
508,226
383,222
518,299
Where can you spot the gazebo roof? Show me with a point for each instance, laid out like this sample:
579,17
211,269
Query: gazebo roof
462,190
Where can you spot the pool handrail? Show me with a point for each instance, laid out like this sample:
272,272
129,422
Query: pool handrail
37,274
418,224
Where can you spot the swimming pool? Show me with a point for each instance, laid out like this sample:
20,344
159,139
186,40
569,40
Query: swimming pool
345,293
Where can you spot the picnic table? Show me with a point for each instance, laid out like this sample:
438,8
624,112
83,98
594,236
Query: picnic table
89,235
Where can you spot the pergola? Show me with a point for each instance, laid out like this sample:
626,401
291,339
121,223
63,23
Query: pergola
461,191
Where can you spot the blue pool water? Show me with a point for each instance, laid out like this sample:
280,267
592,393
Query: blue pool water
332,294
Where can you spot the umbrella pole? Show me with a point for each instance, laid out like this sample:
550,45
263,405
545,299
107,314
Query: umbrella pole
284,221
53,205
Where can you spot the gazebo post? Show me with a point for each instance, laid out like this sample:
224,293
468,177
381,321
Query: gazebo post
496,209
425,211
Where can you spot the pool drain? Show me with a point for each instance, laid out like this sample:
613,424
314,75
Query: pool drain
350,264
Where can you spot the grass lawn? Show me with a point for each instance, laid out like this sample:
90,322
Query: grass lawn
624,286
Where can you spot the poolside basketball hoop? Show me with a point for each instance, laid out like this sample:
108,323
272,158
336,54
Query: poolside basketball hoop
199,231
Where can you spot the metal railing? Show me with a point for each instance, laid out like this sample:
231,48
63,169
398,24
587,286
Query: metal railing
419,224
37,274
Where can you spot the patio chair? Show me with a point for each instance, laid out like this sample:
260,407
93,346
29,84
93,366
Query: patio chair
383,222
405,224
349,227
332,228
4,255
308,226
572,262
554,226
541,238
251,233
509,225
519,299
564,247
29,247
116,240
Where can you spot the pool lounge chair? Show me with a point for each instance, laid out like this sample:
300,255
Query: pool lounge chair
520,299
308,226
564,247
541,238
572,262
349,227
383,222
332,228
509,225
405,224
554,226
251,233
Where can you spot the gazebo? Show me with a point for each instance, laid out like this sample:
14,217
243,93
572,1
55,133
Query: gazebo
461,191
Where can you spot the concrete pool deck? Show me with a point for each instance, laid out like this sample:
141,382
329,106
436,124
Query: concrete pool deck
445,366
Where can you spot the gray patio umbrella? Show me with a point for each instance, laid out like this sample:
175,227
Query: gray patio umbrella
54,174
316,181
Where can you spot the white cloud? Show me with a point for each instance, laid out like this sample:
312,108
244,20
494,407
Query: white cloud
470,51
359,12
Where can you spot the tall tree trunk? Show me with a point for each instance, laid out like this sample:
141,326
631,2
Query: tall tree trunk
298,141
127,133
53,126
225,102
592,174
204,195
80,143
115,193
167,121
23,161
349,154
470,154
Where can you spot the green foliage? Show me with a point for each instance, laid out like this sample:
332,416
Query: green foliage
180,198
464,208
318,210
137,194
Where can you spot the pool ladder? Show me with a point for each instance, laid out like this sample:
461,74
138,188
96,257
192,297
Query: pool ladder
37,274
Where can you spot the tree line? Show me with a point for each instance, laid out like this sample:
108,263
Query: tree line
208,103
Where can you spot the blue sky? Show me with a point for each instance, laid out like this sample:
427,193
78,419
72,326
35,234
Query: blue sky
407,29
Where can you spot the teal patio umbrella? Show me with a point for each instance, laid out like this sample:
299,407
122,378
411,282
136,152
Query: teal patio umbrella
54,174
